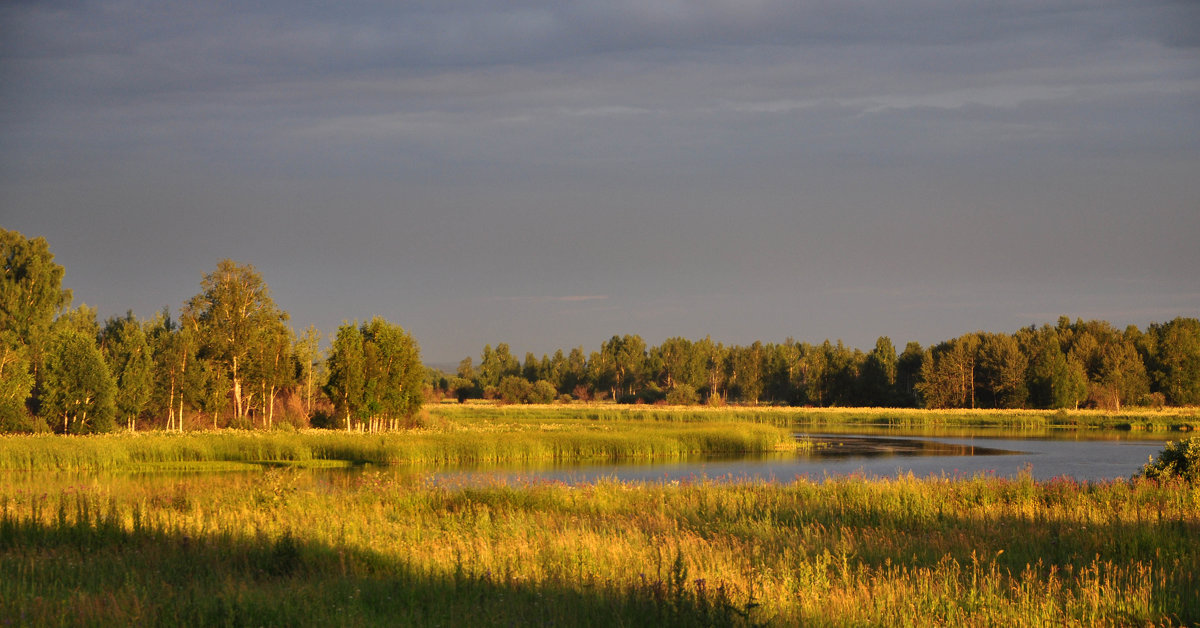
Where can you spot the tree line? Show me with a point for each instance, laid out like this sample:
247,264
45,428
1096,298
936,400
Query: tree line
1066,365
229,359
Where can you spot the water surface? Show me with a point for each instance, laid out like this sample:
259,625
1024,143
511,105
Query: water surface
870,453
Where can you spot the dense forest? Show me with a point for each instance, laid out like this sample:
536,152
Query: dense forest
230,359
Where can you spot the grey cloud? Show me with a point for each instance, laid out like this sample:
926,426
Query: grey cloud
635,149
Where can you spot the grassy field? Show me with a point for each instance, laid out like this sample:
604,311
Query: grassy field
83,545
375,548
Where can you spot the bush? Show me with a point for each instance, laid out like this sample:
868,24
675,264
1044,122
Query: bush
1155,400
651,394
515,389
683,395
543,392
14,418
1179,459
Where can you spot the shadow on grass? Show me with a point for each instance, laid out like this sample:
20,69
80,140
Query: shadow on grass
88,570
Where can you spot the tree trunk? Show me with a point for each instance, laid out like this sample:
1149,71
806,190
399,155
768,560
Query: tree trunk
308,390
171,404
237,391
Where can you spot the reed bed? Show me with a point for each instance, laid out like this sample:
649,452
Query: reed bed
479,442
1166,419
286,547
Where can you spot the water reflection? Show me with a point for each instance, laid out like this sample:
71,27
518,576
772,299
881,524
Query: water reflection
966,453
836,446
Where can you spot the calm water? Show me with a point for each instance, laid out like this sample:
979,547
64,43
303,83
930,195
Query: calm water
874,454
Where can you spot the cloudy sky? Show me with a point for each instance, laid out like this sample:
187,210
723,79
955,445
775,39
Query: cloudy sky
549,174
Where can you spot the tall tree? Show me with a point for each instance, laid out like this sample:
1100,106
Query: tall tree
307,352
232,315
174,350
629,362
678,363
908,373
375,374
1055,381
127,353
879,374
948,373
1175,361
79,391
1002,368
842,373
746,371
575,373
31,295
495,365
712,357
783,362
393,373
272,366
347,377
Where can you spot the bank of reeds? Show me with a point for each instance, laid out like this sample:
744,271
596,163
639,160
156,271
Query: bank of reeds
292,548
1166,419
479,442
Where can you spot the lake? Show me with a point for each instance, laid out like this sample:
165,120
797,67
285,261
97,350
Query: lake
873,452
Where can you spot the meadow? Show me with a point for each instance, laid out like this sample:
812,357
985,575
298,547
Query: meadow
292,547
88,536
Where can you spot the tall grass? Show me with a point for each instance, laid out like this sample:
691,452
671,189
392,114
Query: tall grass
480,442
292,548
1182,418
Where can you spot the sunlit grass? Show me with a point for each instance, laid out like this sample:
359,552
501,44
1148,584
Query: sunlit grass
1173,418
377,547
471,443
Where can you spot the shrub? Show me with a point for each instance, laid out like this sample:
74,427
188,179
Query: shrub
543,392
14,418
682,395
515,389
1179,459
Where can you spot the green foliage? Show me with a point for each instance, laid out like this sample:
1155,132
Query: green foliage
394,375
234,320
375,372
683,395
1179,459
78,389
127,353
542,392
16,382
232,344
307,352
347,375
31,290
1175,363
514,389
31,294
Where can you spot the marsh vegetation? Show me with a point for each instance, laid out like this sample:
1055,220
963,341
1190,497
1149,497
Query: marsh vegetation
285,546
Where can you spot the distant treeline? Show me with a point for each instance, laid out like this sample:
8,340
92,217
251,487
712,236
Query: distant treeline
1067,365
228,359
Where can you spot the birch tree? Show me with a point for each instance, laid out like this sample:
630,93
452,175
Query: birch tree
231,316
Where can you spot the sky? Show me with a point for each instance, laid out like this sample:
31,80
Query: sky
549,174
